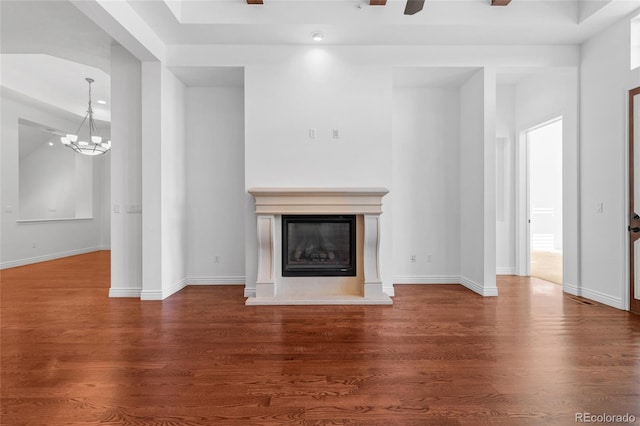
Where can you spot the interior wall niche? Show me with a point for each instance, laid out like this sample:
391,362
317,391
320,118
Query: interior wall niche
54,183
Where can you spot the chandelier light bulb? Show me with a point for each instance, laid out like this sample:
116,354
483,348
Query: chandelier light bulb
96,139
72,138
65,140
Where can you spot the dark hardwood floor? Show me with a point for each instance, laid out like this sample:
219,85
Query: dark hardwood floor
441,355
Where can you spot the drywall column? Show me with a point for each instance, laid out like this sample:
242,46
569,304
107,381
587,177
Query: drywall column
126,177
489,179
173,202
477,183
164,226
151,182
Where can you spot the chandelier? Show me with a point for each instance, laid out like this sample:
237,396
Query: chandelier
91,145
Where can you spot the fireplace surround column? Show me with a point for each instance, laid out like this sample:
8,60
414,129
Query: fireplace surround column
265,283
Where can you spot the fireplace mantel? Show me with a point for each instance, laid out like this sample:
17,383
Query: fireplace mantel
318,200
274,289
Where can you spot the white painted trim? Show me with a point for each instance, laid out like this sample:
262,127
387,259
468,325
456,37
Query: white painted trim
151,295
47,257
605,299
570,288
125,292
426,279
221,280
249,292
505,270
389,290
478,288
445,279
163,294
174,288
523,244
318,200
60,219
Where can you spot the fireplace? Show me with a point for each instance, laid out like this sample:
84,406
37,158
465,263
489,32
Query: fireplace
318,245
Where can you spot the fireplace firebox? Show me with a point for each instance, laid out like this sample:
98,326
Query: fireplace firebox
318,245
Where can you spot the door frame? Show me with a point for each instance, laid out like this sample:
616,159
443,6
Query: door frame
633,304
523,207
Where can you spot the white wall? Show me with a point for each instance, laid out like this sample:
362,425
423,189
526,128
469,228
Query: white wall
477,185
215,185
47,183
426,206
325,89
605,79
545,95
174,191
164,228
51,239
505,181
126,174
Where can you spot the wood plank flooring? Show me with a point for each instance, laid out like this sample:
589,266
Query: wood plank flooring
441,355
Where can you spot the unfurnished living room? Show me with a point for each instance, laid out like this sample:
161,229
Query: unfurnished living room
246,212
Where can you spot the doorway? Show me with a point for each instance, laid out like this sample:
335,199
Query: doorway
544,164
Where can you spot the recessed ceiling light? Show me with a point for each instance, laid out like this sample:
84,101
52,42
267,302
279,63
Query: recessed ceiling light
101,102
317,36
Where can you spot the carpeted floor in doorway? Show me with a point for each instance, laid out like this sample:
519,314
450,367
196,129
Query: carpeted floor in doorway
547,265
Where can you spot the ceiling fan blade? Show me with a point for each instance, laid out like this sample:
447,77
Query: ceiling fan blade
413,7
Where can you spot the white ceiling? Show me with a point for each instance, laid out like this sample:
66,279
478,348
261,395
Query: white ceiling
52,27
210,76
78,48
58,82
432,76
354,22
48,49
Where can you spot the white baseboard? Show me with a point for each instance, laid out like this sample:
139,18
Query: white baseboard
249,292
47,257
222,280
570,288
388,290
446,279
426,279
163,294
605,299
505,270
478,288
125,292
151,295
174,288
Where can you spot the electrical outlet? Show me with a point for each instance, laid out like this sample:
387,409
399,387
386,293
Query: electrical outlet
429,258
413,258
335,134
216,259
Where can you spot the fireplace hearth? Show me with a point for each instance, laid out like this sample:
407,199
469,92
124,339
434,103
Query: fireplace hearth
318,245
